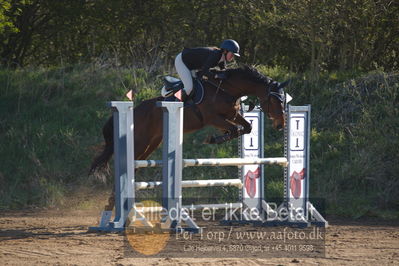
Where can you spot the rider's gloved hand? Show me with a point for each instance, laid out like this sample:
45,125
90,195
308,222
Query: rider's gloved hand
202,75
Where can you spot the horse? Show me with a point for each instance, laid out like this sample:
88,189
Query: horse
219,108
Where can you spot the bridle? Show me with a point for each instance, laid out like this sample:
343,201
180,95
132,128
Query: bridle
266,102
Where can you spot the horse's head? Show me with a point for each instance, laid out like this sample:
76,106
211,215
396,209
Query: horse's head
248,81
272,103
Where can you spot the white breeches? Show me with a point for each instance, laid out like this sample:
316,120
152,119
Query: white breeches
184,74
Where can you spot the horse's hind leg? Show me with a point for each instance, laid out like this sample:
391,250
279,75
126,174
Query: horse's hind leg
151,147
101,160
143,152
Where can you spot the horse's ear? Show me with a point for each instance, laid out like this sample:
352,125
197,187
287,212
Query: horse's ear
284,84
251,106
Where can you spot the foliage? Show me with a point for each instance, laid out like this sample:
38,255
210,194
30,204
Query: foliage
49,124
361,147
299,35
353,142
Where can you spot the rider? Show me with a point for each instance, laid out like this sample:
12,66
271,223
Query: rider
203,58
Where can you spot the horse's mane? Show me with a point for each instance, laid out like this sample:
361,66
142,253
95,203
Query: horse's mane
249,73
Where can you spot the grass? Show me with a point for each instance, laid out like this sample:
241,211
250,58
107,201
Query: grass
51,119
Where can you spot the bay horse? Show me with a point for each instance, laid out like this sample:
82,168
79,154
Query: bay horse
219,108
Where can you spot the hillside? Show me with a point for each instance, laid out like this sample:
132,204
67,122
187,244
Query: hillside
51,119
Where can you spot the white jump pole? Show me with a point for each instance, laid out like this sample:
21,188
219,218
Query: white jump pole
193,183
216,162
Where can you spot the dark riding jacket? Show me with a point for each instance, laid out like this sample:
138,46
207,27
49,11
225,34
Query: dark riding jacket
203,58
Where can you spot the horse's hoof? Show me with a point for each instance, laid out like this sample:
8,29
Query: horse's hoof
210,140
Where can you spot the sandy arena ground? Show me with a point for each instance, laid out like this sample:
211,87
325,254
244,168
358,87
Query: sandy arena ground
60,237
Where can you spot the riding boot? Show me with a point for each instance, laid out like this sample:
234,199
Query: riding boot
184,96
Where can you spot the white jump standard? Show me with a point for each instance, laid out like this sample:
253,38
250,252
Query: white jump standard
296,202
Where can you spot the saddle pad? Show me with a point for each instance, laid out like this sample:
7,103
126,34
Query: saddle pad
198,95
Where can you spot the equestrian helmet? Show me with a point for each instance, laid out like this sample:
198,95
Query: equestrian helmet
231,46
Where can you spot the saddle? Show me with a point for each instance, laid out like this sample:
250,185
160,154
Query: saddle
173,85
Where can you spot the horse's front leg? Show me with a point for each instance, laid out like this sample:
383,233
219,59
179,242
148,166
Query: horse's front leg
231,129
246,126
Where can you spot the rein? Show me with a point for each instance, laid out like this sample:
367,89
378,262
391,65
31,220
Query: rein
217,90
266,101
219,86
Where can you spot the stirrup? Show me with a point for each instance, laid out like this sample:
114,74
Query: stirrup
166,93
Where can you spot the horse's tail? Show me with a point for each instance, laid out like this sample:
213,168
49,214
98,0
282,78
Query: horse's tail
101,160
